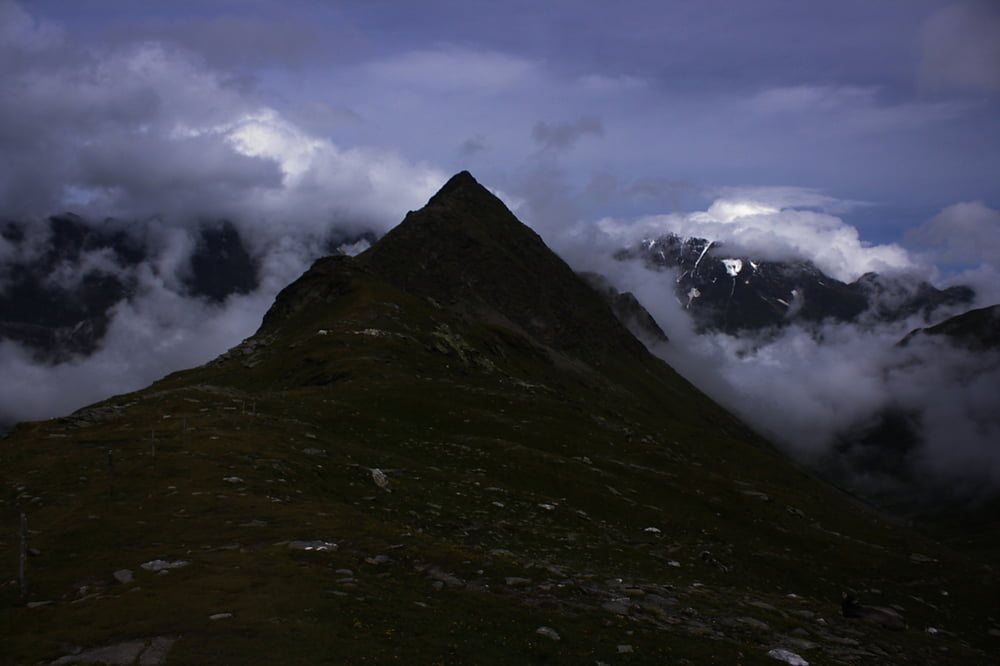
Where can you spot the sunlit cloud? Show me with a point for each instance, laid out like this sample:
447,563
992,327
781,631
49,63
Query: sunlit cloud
771,231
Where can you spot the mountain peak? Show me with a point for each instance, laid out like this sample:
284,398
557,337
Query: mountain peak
462,185
472,207
465,249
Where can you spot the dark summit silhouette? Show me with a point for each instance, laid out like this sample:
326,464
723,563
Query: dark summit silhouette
466,249
448,450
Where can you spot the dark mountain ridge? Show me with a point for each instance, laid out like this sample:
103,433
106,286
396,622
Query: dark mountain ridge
466,248
409,463
977,330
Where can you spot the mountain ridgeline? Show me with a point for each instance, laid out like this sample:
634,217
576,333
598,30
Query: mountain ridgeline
466,248
731,292
449,450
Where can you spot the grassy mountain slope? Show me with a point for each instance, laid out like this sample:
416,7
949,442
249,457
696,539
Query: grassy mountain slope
447,450
977,329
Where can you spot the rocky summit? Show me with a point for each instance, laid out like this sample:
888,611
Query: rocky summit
448,450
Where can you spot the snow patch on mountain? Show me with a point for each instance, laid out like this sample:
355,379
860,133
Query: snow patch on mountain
772,233
733,266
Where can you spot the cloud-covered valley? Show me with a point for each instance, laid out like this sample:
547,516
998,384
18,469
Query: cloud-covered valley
830,392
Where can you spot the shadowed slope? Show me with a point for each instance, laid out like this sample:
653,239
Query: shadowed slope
467,250
403,465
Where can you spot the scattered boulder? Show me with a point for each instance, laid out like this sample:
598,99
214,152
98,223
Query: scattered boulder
885,617
548,632
317,545
381,480
157,651
514,581
120,653
163,565
787,656
124,576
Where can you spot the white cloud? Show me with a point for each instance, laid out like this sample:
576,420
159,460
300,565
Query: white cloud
146,129
963,233
777,196
770,231
147,133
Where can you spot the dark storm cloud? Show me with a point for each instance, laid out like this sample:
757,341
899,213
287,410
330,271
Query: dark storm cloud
961,48
563,136
472,146
236,42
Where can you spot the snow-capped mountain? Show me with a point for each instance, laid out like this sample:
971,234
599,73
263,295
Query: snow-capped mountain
731,292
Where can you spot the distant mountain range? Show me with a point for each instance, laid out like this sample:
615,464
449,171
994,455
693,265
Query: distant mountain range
734,293
449,449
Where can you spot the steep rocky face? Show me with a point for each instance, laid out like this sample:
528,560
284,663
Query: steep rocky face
630,312
735,293
403,465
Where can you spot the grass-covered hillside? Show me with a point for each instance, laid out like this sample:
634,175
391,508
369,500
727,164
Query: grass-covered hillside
448,451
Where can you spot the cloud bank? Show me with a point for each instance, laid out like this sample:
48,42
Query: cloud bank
142,129
151,135
776,224
819,390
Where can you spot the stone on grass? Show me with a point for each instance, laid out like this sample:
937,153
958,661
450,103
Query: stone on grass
120,653
548,632
163,565
157,651
318,545
787,656
124,576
